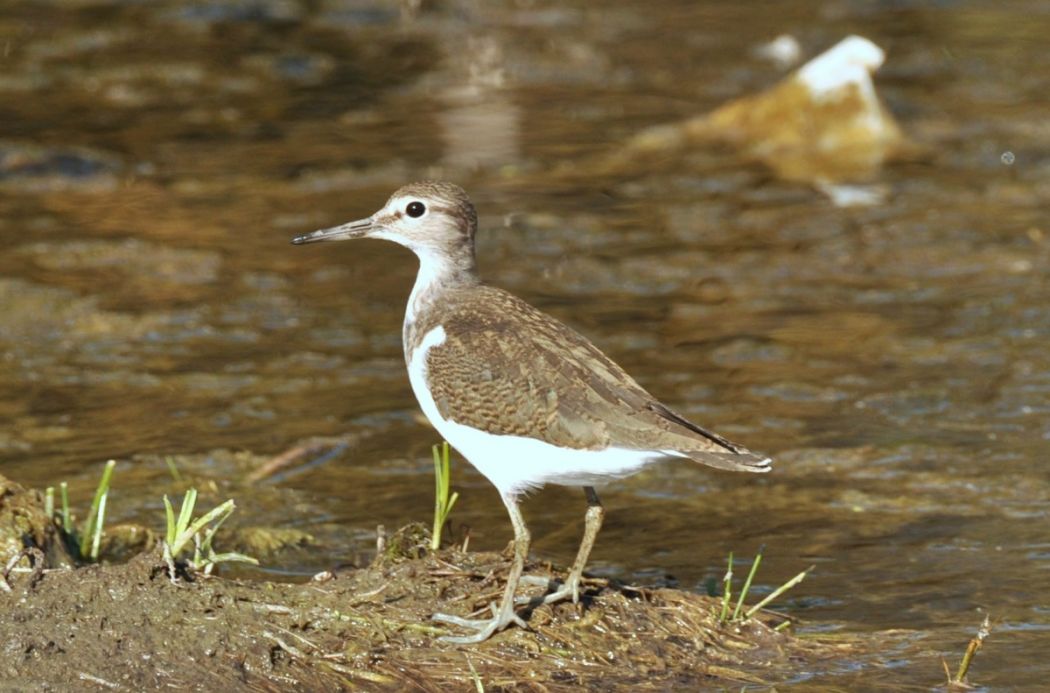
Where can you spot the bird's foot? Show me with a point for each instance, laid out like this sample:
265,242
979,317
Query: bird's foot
483,628
567,590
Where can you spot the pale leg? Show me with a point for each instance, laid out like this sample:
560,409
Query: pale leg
592,525
502,615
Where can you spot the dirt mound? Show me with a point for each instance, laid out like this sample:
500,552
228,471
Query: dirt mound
130,627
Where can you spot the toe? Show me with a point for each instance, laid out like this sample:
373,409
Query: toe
474,623
484,628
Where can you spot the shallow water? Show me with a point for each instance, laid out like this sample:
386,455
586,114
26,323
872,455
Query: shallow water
155,159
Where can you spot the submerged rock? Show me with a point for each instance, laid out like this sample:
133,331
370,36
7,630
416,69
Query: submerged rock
27,167
265,542
823,124
123,542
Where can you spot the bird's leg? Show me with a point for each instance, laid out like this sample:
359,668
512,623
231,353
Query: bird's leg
503,614
592,524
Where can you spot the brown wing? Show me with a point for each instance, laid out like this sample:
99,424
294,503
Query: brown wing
532,376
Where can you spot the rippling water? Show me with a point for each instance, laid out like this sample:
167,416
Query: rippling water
156,158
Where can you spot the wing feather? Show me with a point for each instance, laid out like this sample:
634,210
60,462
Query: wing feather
509,369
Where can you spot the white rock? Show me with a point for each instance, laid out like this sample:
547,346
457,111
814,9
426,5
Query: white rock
850,61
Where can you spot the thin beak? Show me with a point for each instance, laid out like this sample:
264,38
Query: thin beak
353,229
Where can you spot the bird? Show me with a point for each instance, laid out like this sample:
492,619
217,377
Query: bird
527,400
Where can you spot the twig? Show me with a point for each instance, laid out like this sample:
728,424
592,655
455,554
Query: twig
36,560
727,589
971,649
290,649
100,681
478,685
363,597
300,638
328,447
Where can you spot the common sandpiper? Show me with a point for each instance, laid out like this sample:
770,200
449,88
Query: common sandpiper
526,399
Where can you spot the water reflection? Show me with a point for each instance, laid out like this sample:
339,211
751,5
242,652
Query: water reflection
480,124
155,161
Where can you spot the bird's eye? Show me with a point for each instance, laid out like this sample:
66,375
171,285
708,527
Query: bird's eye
416,209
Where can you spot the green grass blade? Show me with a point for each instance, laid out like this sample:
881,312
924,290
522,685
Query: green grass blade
189,501
442,502
446,468
67,519
232,556
747,583
778,591
172,469
96,537
435,534
169,514
184,530
448,508
210,534
92,517
187,535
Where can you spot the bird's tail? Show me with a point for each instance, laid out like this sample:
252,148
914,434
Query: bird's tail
741,461
714,450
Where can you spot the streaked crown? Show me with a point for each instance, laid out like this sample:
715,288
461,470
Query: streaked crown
430,214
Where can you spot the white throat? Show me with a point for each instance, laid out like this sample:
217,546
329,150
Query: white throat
432,270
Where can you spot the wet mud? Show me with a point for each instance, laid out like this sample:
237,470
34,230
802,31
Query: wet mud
130,626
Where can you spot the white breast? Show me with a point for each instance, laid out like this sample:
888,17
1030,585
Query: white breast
515,464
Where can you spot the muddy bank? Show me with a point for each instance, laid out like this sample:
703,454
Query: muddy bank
130,627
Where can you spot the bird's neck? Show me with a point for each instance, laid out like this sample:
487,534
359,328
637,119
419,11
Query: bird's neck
439,273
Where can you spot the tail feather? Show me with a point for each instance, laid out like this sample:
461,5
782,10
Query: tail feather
743,461
677,418
718,452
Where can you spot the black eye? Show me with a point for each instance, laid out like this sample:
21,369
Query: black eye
416,209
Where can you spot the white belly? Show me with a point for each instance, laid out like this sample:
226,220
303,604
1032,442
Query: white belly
515,464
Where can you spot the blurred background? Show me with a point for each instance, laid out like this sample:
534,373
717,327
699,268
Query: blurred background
891,354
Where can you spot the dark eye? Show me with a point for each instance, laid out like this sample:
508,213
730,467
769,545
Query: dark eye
416,209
